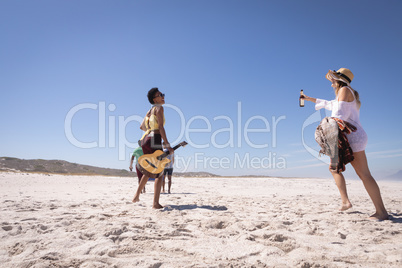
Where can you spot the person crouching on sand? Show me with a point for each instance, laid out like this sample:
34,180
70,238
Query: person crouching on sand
346,107
153,124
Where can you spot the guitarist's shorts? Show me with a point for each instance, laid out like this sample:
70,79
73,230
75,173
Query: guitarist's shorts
151,143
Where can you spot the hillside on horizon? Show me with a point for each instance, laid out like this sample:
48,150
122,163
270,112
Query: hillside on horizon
63,167
395,177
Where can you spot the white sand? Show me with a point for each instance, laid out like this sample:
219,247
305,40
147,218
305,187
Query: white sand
78,221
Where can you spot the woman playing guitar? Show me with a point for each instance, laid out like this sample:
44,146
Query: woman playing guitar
153,124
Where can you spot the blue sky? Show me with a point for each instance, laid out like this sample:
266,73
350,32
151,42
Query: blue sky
74,77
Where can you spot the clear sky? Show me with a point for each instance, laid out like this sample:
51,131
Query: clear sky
74,77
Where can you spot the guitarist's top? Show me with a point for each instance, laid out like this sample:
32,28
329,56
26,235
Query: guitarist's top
151,122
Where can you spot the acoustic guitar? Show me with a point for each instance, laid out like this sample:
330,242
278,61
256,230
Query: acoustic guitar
152,165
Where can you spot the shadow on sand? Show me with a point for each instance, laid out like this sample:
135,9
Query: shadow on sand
174,193
189,207
394,217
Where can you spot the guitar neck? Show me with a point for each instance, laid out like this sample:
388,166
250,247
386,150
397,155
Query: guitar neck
176,147
167,153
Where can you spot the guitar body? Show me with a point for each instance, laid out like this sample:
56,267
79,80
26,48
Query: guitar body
150,165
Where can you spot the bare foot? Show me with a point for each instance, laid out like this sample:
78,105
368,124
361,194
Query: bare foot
157,206
345,207
379,217
136,199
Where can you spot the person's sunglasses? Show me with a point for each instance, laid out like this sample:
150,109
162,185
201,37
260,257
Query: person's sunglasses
160,95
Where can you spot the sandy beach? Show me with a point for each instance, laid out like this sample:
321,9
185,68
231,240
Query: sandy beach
90,221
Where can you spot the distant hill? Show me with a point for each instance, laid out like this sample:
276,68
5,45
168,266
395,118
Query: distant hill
64,167
57,167
396,177
195,174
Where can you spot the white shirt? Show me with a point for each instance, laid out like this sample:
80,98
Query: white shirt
349,112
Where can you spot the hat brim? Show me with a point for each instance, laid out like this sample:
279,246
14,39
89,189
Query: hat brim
332,75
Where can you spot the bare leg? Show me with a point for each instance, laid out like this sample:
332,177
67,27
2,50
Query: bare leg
362,170
141,186
169,183
340,182
157,192
139,182
163,183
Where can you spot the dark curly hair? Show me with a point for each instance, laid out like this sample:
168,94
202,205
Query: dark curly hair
151,94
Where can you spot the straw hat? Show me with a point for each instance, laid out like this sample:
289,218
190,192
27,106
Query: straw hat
343,74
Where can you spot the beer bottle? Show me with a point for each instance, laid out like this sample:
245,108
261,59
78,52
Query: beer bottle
301,99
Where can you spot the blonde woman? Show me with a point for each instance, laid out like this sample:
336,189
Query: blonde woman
346,106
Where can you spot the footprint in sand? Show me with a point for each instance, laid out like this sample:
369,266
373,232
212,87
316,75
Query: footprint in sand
115,234
16,231
51,256
342,236
124,250
278,238
16,249
280,241
86,236
42,227
116,231
7,228
216,224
